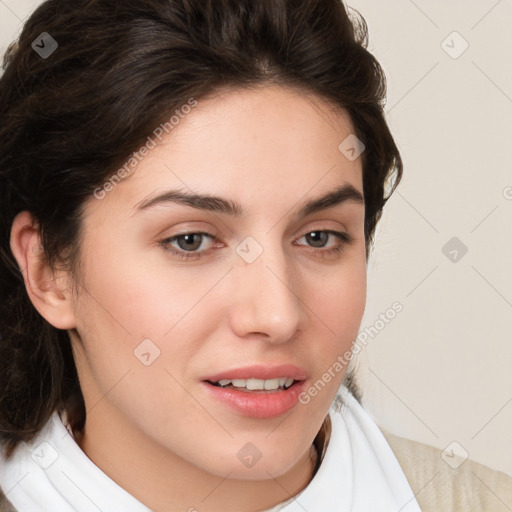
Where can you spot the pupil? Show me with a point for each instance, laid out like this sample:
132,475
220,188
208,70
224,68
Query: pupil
188,239
321,234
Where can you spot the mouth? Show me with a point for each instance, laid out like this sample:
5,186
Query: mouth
256,385
257,391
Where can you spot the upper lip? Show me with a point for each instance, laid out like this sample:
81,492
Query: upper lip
260,371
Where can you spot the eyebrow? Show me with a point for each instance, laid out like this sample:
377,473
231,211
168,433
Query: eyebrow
229,207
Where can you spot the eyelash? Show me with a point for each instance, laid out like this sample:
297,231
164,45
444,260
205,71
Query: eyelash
343,240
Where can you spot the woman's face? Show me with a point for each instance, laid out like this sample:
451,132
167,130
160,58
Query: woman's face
178,292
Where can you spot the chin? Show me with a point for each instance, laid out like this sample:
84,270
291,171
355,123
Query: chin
269,461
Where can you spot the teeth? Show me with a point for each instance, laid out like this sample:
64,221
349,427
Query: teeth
272,384
255,384
258,384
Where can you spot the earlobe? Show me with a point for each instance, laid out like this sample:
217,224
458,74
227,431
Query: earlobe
47,290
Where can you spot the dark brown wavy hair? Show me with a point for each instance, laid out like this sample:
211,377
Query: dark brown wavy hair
68,121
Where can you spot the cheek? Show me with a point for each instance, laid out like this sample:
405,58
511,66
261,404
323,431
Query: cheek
140,335
139,296
337,303
338,299
138,317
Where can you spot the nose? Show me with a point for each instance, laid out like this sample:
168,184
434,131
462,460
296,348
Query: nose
266,300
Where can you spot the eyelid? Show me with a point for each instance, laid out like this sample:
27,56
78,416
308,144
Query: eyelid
331,226
196,227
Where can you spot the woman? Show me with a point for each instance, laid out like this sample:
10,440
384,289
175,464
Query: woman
189,191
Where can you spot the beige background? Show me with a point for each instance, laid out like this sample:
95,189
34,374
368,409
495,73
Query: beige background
441,370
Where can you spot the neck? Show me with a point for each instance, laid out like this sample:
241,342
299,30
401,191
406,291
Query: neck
149,473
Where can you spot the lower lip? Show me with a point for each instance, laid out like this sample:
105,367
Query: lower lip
258,404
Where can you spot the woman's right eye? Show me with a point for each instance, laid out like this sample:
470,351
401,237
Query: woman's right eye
188,245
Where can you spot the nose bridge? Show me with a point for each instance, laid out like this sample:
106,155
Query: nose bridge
266,300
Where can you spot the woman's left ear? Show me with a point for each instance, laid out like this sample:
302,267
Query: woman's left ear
48,290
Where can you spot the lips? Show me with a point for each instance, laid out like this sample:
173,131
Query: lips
260,372
252,391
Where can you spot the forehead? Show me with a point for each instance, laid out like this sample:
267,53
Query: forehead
273,142
271,117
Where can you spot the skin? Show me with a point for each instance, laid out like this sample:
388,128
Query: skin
153,429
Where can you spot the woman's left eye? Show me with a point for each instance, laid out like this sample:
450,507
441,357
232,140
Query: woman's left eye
188,244
321,236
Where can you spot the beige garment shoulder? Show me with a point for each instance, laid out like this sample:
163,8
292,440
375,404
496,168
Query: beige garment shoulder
438,487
